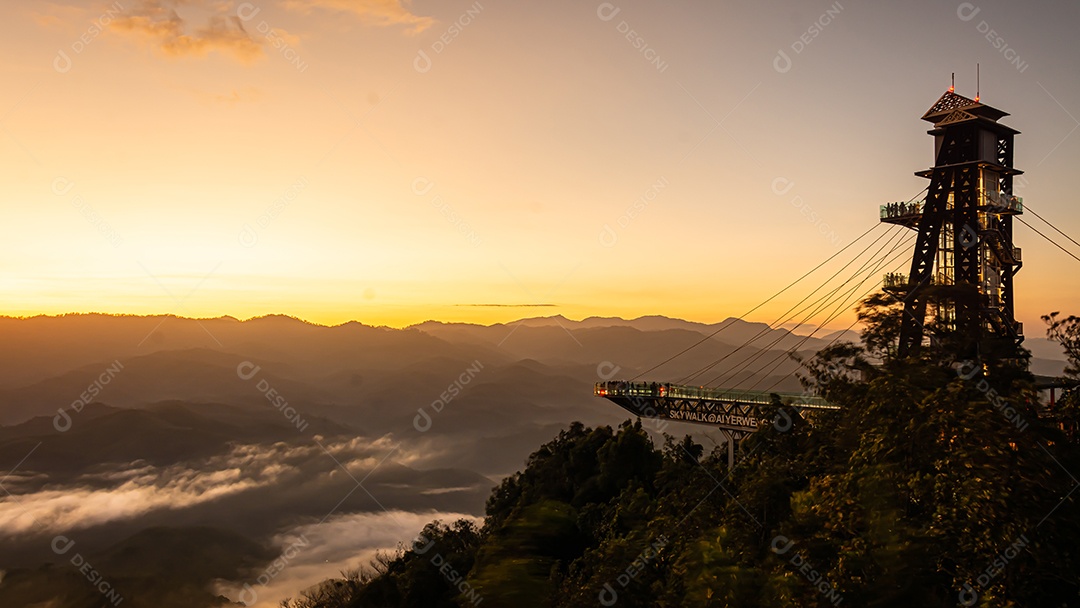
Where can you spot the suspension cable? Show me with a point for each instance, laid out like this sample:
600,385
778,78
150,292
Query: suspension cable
817,306
1026,208
877,260
838,335
1038,232
777,361
771,298
784,318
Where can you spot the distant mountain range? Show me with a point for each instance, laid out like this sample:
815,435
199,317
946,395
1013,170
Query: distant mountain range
119,429
377,377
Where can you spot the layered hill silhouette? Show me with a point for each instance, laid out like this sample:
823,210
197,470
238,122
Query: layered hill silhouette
217,429
153,568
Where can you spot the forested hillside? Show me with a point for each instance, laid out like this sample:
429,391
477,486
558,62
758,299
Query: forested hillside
939,483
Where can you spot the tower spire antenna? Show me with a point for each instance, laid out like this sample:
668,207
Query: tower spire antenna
952,87
978,82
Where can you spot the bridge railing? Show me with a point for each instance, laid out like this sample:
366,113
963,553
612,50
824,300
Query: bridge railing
897,210
618,388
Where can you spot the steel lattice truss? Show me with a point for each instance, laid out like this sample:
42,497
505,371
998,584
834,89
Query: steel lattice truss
740,415
964,260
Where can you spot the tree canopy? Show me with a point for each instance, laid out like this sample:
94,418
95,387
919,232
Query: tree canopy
938,483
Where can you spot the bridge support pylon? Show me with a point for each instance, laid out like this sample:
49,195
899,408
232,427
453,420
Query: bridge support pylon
733,438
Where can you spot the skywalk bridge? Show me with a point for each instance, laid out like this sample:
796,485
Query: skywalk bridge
736,413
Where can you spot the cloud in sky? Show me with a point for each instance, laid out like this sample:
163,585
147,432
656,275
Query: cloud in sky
159,22
383,13
53,15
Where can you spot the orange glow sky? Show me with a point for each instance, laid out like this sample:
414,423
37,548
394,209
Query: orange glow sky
213,157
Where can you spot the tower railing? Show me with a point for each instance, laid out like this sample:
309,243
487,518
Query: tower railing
900,210
895,281
1003,201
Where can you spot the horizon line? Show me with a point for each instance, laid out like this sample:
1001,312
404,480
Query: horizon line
403,327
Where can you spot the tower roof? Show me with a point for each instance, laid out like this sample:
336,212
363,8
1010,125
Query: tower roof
957,106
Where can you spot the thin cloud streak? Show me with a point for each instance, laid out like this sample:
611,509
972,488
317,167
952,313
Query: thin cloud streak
159,23
382,13
509,305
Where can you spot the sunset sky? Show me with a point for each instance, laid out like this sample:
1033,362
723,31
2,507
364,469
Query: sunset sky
392,162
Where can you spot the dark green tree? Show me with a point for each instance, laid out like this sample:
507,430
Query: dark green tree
940,481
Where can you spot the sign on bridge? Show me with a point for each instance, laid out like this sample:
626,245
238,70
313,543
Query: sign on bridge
733,410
